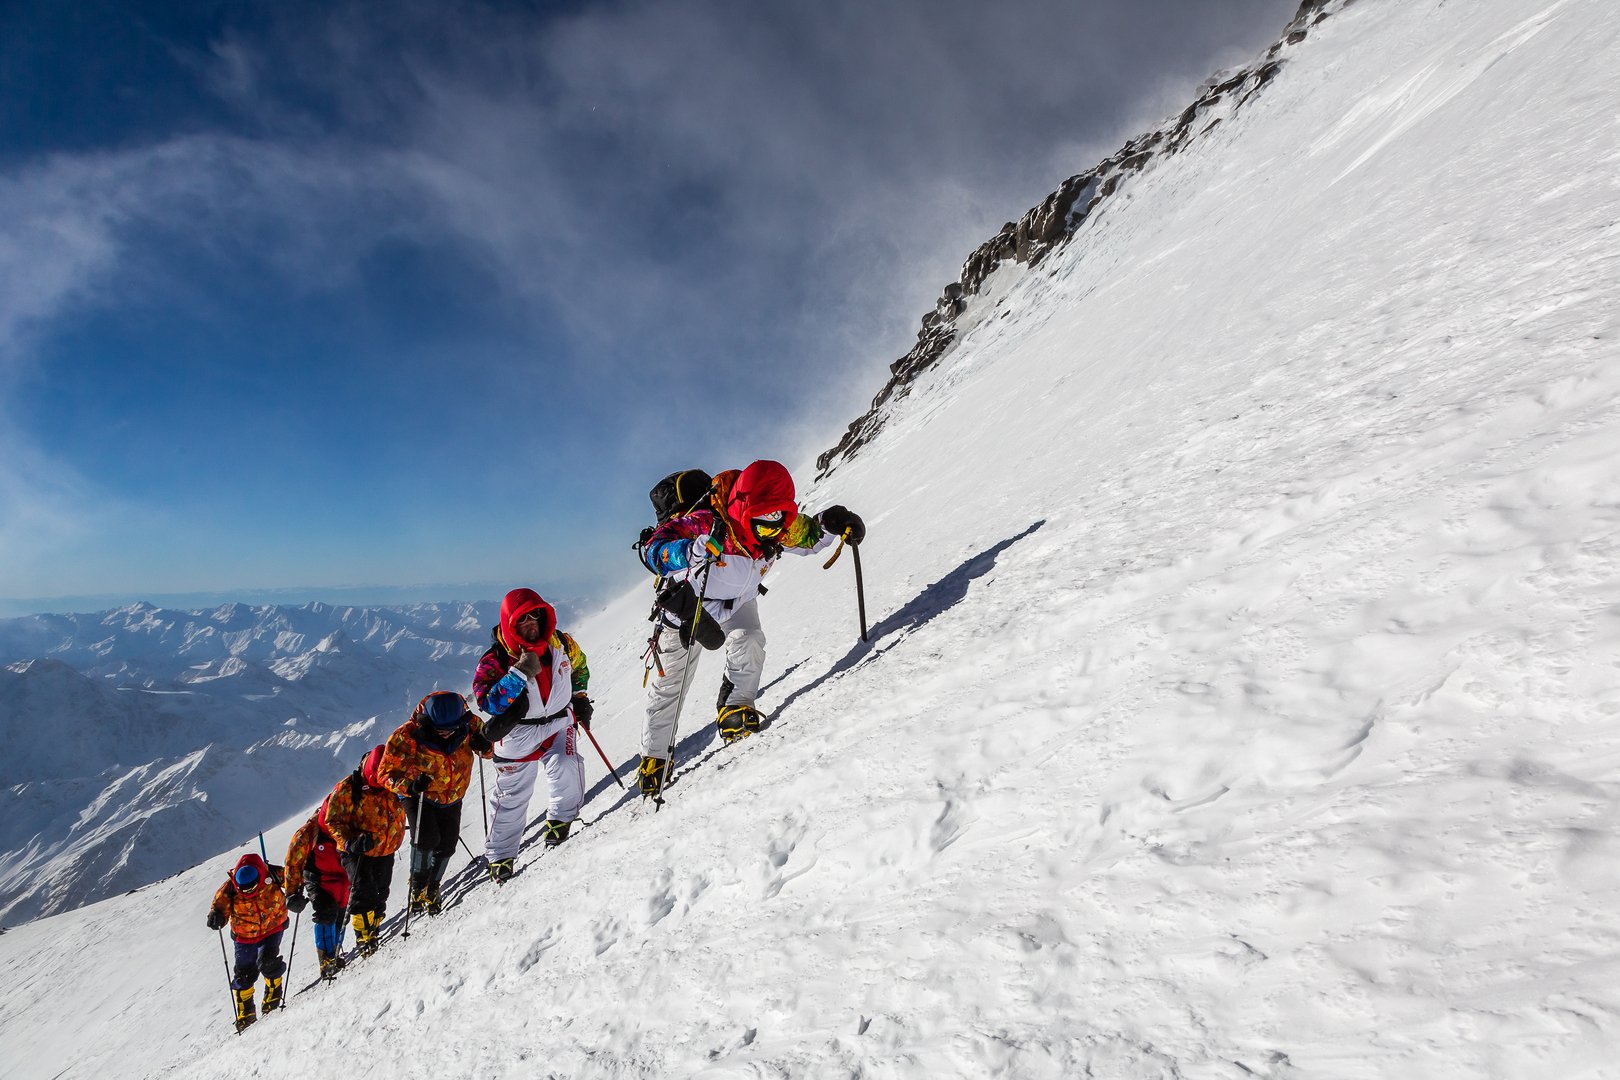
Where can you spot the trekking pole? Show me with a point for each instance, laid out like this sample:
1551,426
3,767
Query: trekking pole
483,798
291,949
605,760
229,989
263,854
860,586
410,865
680,699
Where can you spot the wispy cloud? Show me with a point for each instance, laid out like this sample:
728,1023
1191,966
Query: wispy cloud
715,209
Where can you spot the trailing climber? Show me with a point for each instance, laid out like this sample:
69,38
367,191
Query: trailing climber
252,903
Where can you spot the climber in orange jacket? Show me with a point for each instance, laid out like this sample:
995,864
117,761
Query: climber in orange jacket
252,903
428,761
366,820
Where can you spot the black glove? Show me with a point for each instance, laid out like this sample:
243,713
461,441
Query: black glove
361,844
583,710
297,902
528,664
837,520
216,919
479,743
420,784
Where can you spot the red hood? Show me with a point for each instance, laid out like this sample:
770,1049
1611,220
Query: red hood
761,488
368,767
518,603
257,863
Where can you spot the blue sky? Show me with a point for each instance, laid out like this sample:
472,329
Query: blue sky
368,302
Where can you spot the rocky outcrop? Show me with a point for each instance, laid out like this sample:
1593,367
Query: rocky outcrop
1061,215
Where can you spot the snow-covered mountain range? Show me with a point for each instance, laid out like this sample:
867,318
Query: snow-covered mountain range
139,740
1244,587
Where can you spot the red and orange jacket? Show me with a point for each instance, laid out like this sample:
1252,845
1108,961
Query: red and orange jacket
416,749
356,807
301,849
254,915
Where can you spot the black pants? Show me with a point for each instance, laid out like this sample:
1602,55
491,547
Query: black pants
324,906
438,827
369,878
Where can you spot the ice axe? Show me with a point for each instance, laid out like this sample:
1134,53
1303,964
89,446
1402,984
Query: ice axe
860,583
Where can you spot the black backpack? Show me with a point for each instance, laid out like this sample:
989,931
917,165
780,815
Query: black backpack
680,493
675,495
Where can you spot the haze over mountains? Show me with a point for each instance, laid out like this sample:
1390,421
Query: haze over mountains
1244,585
141,739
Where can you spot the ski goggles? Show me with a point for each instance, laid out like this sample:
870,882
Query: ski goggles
769,525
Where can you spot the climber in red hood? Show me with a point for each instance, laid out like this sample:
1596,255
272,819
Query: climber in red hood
721,552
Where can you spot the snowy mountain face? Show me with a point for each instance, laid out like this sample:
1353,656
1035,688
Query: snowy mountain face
1244,588
139,740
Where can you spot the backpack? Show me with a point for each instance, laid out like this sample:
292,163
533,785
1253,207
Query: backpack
676,495
680,493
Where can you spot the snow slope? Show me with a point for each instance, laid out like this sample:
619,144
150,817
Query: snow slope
1242,688
141,739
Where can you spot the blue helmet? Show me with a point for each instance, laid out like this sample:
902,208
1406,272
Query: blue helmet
444,710
247,878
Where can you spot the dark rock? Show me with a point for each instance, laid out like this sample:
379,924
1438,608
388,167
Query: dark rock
1055,221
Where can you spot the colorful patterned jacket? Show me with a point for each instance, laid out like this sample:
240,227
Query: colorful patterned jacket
504,693
739,557
416,749
301,852
254,915
355,807
736,575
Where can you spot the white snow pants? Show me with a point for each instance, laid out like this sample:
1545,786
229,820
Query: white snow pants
745,664
514,786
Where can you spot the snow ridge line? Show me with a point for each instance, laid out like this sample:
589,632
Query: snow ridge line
1057,219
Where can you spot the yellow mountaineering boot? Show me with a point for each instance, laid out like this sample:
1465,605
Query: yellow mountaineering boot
272,994
652,776
244,1007
737,722
331,963
366,924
